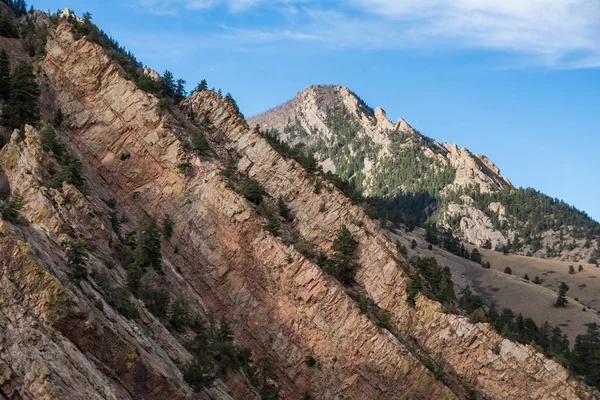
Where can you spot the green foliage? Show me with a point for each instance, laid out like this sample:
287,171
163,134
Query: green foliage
530,213
439,285
586,355
22,106
311,361
202,86
77,256
58,117
153,295
571,269
232,101
284,210
362,304
508,270
18,7
7,27
537,280
185,168
341,264
116,297
180,316
200,143
4,75
384,319
253,191
147,245
12,208
561,300
199,373
413,244
476,256
272,225
168,226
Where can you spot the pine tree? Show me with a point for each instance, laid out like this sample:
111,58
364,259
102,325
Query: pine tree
571,269
200,143
7,27
22,107
169,83
202,86
77,259
413,244
179,315
253,191
562,301
180,92
147,250
4,75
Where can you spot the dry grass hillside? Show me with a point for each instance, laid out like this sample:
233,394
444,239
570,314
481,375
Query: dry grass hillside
522,296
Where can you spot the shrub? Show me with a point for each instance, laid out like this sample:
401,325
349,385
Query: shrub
12,208
185,168
413,244
508,270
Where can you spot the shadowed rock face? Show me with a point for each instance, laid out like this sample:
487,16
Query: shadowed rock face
58,343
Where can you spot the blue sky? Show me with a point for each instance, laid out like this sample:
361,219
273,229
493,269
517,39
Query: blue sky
518,81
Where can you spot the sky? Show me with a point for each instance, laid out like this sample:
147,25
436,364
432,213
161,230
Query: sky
518,81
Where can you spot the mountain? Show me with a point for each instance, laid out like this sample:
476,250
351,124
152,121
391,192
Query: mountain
156,247
412,178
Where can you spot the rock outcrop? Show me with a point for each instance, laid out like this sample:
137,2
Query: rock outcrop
62,339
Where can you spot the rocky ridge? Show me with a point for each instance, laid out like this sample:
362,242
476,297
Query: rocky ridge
57,343
388,161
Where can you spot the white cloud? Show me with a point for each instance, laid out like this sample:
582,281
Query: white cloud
552,33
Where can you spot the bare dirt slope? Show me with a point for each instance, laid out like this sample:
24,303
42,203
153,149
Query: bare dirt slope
512,291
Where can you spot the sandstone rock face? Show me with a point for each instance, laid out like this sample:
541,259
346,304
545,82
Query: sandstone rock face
286,309
475,170
473,355
475,226
61,339
152,74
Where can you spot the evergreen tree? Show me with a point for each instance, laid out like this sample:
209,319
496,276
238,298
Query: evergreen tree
147,250
586,355
413,244
179,315
508,270
562,301
7,27
476,256
537,280
168,225
253,191
342,264
168,83
4,75
200,143
571,269
22,106
77,259
58,118
180,92
202,86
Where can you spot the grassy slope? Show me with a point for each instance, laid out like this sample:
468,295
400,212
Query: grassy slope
513,291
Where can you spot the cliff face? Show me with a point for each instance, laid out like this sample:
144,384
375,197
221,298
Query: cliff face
392,162
310,113
289,310
62,339
473,355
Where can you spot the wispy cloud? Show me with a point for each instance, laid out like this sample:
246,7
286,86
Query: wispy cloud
550,33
